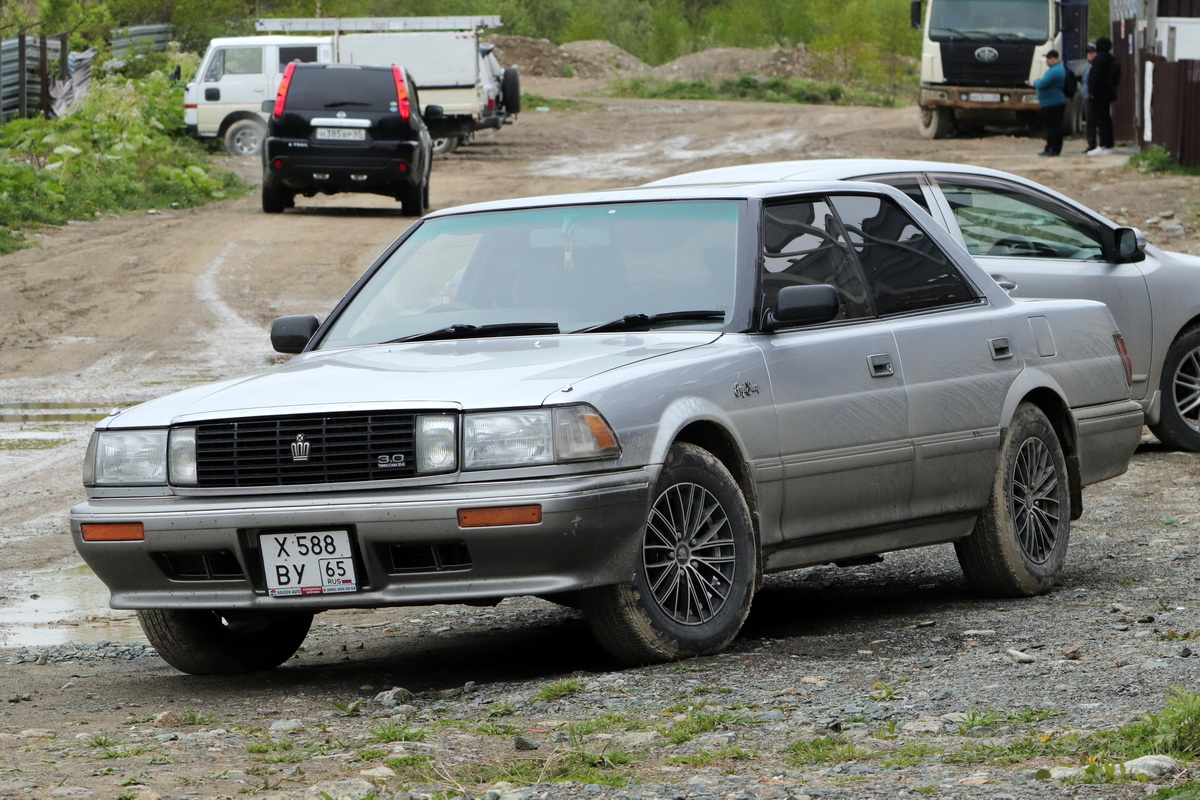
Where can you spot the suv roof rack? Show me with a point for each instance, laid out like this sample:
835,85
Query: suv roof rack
344,24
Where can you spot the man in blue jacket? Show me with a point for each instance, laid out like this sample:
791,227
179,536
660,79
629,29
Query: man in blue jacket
1053,102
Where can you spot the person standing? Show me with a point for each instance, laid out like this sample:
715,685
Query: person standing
1053,102
1083,92
1102,80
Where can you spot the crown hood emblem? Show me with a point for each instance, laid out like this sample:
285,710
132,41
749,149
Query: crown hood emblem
300,448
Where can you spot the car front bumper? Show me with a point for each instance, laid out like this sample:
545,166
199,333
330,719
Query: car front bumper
203,553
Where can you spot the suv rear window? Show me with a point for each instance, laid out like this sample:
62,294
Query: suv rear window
343,87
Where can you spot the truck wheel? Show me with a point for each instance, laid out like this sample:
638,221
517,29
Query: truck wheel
510,90
936,123
446,144
223,643
244,137
1179,425
695,574
1019,543
275,198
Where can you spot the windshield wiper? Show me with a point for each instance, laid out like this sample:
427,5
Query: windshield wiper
638,322
462,331
347,103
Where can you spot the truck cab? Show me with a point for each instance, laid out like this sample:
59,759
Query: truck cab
980,58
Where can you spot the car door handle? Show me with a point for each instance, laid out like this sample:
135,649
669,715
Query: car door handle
1001,349
880,365
1006,283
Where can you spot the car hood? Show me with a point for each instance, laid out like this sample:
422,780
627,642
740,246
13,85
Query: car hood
446,375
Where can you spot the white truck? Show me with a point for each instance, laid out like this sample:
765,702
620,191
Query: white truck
979,59
451,67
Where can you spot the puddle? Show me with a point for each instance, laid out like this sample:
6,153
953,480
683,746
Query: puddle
65,606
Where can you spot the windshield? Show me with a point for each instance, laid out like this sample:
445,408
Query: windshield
577,267
987,19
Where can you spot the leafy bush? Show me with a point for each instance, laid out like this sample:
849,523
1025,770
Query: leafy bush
1158,159
123,149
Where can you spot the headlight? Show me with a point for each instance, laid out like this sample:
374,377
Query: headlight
182,457
437,443
127,458
536,436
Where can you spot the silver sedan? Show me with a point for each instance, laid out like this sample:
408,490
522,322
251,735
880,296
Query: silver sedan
1037,243
635,401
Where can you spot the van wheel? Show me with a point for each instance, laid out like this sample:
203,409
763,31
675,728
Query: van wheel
244,137
1179,424
446,144
1019,544
695,573
223,642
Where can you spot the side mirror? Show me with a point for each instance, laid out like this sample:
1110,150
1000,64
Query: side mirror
1124,245
805,305
914,13
433,112
268,106
176,73
292,334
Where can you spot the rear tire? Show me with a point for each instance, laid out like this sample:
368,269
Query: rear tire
1179,424
446,144
223,643
696,571
245,137
1019,543
936,123
275,198
414,200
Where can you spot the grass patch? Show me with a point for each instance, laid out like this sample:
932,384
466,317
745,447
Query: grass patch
698,722
757,88
536,102
826,750
1067,746
910,755
559,689
31,444
393,732
1156,159
1174,731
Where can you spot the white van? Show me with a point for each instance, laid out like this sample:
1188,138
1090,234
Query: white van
450,67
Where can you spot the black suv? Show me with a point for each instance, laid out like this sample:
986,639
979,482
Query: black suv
347,128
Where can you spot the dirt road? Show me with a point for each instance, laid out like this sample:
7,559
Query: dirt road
119,310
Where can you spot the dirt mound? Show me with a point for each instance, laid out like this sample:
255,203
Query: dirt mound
732,62
597,59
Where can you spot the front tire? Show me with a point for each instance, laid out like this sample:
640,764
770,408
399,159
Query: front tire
223,643
936,122
1019,543
244,137
696,571
1179,424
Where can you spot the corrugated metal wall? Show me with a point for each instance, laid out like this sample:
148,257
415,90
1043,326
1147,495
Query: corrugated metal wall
22,80
1174,109
1179,8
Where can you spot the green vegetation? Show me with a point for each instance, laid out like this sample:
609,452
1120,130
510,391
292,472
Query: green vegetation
758,88
123,150
826,750
559,689
1174,731
394,732
1157,159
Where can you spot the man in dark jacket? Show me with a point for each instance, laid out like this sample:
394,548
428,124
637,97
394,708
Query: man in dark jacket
1102,80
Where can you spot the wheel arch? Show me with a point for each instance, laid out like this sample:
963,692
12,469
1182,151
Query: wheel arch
716,439
1052,404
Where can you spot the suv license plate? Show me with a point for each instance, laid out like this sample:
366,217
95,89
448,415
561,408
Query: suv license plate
314,562
351,134
984,97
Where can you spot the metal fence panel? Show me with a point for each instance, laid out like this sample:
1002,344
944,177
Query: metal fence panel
1175,108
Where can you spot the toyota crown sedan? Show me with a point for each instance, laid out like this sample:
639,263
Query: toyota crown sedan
1037,243
637,402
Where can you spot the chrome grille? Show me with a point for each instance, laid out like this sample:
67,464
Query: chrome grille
295,450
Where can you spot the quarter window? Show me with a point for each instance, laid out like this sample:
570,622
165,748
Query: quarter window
998,219
904,267
803,244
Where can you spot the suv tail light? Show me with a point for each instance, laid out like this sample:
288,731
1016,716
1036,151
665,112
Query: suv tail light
1119,340
401,93
281,97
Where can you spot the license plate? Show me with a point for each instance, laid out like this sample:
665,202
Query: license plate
984,97
314,562
343,134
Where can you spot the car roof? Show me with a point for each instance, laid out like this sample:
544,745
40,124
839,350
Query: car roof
825,169
720,191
